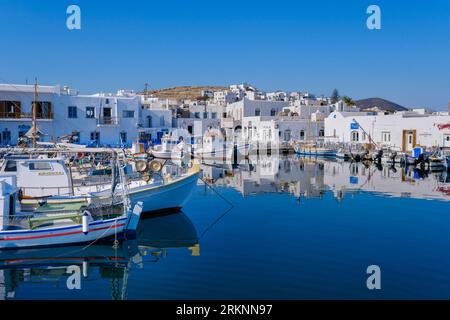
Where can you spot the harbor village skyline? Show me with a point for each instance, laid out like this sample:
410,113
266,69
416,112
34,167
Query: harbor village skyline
200,155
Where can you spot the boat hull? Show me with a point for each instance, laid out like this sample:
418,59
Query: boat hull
316,152
63,235
305,150
159,197
168,196
344,156
168,155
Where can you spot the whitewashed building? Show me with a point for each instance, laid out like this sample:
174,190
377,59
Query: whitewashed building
99,119
254,108
344,178
222,98
276,131
200,116
277,96
401,131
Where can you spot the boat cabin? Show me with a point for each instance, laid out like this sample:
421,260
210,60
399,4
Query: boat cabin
39,177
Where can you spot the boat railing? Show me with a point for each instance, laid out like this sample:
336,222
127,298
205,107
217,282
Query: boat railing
43,216
99,185
54,191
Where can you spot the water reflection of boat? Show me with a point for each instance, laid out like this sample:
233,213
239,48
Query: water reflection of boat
167,231
155,236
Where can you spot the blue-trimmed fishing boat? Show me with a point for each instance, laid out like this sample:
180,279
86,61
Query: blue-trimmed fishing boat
314,150
41,229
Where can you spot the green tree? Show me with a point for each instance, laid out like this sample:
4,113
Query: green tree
348,101
335,96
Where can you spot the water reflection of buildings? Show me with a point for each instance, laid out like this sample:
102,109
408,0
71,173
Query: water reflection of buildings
272,174
310,177
155,237
342,177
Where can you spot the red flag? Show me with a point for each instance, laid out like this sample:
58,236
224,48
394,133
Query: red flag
443,126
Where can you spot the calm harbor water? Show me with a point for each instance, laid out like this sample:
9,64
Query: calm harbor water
286,228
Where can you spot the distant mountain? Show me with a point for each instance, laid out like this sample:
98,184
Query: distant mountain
184,92
379,103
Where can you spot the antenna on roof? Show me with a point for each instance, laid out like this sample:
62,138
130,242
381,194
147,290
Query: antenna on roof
34,132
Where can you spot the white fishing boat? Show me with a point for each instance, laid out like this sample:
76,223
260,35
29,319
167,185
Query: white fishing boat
23,230
435,163
171,148
426,160
214,147
168,194
342,154
50,181
312,149
392,157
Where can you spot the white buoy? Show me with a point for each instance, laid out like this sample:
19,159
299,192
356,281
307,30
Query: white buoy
85,222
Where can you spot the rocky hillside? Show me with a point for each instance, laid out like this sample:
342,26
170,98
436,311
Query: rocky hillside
379,103
184,92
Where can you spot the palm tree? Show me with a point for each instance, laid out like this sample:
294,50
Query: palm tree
348,101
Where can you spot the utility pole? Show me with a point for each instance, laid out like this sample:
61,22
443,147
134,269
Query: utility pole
34,111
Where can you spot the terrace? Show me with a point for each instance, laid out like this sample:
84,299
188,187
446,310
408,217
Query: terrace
13,110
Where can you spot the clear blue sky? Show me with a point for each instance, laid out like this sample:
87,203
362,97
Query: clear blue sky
291,45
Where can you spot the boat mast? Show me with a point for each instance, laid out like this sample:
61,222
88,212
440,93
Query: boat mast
34,131
309,125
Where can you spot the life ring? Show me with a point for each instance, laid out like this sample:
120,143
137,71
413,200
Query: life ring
81,155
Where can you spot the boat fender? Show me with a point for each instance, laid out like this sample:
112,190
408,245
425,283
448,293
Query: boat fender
85,221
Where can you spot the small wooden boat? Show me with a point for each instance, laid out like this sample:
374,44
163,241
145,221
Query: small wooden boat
314,150
38,229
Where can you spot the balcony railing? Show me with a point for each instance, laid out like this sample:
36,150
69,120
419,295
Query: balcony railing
108,120
25,115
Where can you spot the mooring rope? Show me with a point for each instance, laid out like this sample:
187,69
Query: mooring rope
222,215
216,192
